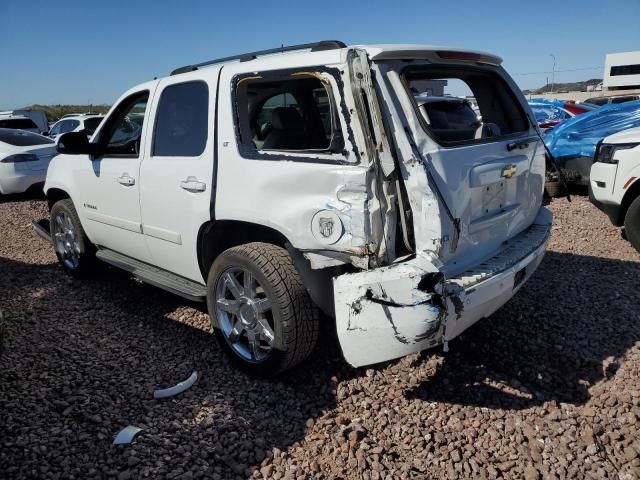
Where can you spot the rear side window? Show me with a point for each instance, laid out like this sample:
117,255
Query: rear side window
464,105
623,99
292,113
596,101
17,123
182,121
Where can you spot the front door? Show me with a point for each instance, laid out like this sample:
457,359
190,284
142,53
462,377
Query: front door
109,184
176,173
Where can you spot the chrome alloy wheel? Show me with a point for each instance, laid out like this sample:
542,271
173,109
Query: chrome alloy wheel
65,240
244,314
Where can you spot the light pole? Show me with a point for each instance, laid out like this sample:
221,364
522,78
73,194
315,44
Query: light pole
553,71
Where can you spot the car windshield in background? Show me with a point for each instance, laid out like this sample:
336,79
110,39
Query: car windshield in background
17,123
21,138
91,124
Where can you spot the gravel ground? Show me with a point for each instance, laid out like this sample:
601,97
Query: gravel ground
548,387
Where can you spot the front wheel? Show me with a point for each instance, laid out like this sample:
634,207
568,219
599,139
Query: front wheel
261,311
73,249
632,224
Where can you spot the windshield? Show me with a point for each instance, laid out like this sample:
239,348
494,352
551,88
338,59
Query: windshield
21,138
17,123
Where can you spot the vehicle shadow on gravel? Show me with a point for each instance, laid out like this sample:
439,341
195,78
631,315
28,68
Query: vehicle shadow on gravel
82,358
563,332
31,194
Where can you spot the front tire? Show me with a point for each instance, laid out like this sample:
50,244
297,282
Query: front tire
260,310
632,224
74,250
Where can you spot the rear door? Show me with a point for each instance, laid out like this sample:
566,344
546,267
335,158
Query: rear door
488,173
177,171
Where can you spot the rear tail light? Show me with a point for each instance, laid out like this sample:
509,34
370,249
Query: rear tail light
20,157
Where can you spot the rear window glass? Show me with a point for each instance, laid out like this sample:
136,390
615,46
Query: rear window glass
182,121
21,138
17,123
462,105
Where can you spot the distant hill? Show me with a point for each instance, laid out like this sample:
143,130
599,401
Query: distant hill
54,112
565,87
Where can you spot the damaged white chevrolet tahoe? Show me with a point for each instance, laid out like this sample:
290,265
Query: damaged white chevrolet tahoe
281,183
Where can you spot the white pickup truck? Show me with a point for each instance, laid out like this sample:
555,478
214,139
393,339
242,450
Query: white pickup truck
281,183
614,185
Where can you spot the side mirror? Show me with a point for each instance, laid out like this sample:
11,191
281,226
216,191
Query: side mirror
76,143
45,134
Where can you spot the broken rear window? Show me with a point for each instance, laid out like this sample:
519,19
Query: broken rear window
463,105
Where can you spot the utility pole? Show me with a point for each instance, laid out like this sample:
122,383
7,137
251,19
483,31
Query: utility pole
553,72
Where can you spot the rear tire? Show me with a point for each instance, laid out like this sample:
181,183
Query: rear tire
73,248
261,312
632,224
554,189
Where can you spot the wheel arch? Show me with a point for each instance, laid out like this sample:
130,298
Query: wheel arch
216,236
630,195
55,195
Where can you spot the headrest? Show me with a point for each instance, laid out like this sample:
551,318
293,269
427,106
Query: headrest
286,118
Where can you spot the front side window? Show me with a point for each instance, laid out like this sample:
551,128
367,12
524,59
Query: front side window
463,105
182,121
123,132
289,114
91,124
69,126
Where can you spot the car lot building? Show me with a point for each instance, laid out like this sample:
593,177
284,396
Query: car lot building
622,71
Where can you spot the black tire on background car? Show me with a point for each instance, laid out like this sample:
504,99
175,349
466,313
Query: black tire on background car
74,250
554,189
632,224
260,309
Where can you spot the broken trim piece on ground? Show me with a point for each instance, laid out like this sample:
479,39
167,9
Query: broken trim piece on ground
176,389
126,435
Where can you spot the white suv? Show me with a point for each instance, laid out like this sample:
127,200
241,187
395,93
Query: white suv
76,123
614,186
281,183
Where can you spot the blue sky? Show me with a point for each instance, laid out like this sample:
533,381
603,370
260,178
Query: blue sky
73,52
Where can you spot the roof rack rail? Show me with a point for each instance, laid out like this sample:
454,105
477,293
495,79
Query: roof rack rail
245,57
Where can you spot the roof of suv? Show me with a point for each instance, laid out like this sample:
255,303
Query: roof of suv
375,51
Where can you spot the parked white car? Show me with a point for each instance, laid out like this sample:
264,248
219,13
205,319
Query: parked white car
76,123
279,183
614,185
24,158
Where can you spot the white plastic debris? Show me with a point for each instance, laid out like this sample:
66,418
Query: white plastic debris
176,389
126,435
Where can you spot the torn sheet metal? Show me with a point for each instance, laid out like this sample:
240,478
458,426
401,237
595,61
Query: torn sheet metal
176,389
126,435
388,312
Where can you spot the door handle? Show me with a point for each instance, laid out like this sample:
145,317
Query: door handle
126,180
191,184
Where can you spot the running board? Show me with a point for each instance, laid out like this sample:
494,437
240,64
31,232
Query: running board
155,276
42,228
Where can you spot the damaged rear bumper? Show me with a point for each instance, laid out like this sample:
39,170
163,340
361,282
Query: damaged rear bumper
393,311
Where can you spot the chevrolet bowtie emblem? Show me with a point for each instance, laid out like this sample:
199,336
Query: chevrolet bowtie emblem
509,171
